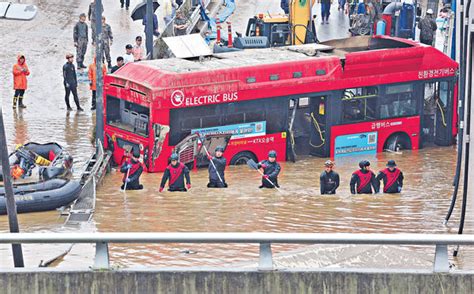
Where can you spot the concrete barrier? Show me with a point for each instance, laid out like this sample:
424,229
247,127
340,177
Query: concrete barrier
232,281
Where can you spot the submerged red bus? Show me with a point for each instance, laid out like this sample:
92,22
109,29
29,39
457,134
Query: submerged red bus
359,95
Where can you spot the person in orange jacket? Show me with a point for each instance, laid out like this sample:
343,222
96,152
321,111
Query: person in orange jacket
92,72
20,72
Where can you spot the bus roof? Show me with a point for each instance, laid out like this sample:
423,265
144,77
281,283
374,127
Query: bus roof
249,57
342,56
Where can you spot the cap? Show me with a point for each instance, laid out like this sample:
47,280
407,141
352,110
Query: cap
329,163
391,163
82,15
219,148
128,46
174,156
69,55
272,153
429,11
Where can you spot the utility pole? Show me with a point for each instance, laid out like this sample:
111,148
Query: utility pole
10,198
149,28
99,113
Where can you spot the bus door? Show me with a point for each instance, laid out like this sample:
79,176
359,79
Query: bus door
306,126
437,113
298,128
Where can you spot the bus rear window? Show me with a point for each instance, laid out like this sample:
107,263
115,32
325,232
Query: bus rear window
127,116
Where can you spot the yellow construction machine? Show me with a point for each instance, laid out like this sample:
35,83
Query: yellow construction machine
294,28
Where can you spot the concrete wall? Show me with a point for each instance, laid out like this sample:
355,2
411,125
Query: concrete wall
245,281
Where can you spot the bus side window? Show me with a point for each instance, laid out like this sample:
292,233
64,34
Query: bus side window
398,100
359,104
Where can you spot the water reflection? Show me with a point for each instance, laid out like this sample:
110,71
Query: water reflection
21,127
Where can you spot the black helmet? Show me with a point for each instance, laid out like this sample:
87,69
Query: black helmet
367,163
219,148
135,152
174,156
391,163
362,164
272,153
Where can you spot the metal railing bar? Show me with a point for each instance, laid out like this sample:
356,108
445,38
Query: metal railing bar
283,238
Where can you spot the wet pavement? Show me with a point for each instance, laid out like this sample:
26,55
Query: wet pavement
241,208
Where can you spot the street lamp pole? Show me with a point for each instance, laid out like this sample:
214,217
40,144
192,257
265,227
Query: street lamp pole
99,114
10,198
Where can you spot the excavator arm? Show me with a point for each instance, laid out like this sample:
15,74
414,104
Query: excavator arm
301,21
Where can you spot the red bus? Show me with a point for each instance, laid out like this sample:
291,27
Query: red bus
359,95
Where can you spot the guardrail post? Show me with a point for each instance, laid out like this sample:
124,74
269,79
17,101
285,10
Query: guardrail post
101,260
266,260
441,262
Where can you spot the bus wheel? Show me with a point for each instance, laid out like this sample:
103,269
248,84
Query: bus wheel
242,158
397,142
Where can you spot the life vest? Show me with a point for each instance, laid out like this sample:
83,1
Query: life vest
392,177
175,172
364,179
133,169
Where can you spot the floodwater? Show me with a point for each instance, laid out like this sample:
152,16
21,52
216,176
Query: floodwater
240,208
245,208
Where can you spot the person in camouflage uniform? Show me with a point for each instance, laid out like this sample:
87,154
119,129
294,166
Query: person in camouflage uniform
107,39
81,37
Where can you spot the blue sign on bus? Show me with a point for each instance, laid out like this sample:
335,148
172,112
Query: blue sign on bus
237,131
356,144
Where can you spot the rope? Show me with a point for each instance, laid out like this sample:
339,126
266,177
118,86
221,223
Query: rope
318,128
442,113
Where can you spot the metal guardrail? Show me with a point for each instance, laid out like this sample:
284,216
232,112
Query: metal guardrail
441,263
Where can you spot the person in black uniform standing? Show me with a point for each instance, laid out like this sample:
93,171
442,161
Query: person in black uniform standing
392,178
329,179
133,167
216,171
364,179
70,82
271,169
176,172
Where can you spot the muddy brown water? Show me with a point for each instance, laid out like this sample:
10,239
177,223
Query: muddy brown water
245,208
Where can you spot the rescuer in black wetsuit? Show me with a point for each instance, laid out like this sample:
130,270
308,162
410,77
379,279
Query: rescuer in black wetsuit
392,178
329,179
176,172
218,167
134,165
364,179
271,169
